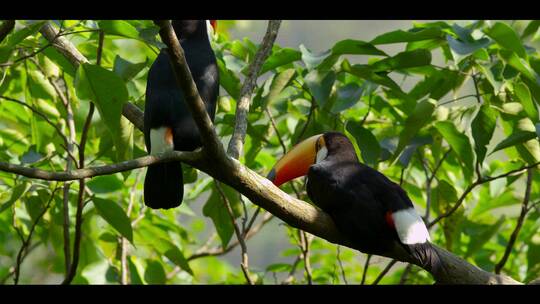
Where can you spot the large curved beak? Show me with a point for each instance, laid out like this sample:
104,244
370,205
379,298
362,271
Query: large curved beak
296,162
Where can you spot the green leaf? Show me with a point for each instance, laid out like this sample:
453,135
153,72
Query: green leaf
174,254
464,48
60,61
228,80
520,64
278,267
111,212
320,85
154,273
105,184
125,69
349,47
487,202
281,57
458,141
531,29
516,138
279,83
215,209
119,27
483,127
524,96
482,234
347,96
19,35
411,35
16,193
403,60
365,72
506,37
420,116
366,141
109,93
355,47
312,60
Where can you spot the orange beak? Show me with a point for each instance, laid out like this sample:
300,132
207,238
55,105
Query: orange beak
296,162
213,23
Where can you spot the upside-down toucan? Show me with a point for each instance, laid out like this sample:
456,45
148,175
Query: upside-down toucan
372,212
168,124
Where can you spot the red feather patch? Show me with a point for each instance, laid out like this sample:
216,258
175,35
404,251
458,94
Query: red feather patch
389,219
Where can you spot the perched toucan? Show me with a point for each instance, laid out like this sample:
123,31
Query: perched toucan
168,124
372,212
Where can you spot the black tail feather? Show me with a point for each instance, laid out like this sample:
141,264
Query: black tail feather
427,257
163,185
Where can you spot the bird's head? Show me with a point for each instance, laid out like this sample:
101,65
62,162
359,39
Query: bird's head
313,150
189,28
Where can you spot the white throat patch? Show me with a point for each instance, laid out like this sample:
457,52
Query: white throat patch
210,30
160,140
410,227
321,155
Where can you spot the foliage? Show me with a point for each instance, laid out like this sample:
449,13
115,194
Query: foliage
406,116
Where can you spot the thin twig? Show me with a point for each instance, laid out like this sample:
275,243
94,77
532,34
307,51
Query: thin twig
144,161
236,142
290,277
405,274
82,182
365,270
220,250
304,244
38,113
244,264
472,186
521,219
341,265
384,272
26,242
69,164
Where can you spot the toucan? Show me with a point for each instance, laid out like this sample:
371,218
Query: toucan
372,212
168,124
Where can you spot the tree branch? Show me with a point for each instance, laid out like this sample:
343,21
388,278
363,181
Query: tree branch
472,186
242,107
187,157
521,219
196,105
26,242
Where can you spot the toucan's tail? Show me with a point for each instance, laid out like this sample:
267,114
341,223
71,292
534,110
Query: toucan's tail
427,257
163,185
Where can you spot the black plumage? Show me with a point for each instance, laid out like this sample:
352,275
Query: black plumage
361,201
166,107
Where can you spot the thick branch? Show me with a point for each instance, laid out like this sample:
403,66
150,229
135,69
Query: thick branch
242,107
66,48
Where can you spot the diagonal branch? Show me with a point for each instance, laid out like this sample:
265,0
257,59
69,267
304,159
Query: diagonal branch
471,187
242,107
196,105
521,219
